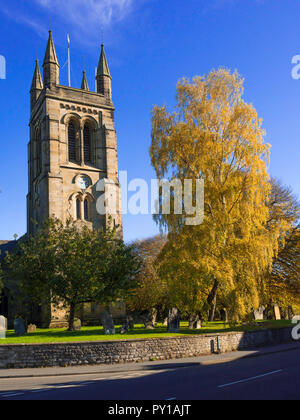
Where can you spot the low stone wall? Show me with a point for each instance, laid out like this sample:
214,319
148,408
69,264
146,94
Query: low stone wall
125,351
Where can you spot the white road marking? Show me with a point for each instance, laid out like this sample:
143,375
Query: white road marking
250,379
11,394
41,390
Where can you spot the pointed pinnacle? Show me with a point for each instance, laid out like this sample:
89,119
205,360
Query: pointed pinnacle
37,81
84,84
103,69
50,55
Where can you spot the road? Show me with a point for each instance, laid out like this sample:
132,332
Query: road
273,376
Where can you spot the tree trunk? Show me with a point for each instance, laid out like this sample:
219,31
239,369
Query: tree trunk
71,317
149,318
212,300
212,311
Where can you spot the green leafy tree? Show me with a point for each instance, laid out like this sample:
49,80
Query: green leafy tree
72,266
151,292
282,283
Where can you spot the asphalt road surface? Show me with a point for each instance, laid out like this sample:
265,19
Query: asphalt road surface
271,376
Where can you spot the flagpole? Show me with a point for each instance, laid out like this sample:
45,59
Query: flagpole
69,61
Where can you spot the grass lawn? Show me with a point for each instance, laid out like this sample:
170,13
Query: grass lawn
97,333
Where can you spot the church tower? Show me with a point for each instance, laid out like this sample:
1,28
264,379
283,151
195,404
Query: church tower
72,146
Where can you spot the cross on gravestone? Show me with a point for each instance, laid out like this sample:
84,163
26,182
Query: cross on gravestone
19,327
3,327
174,320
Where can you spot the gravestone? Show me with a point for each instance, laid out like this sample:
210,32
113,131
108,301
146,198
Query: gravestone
174,320
108,323
127,325
124,329
3,327
195,322
77,324
259,314
19,327
277,312
31,328
130,322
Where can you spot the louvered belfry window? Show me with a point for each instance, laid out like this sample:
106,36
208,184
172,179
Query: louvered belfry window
87,144
86,210
72,142
78,209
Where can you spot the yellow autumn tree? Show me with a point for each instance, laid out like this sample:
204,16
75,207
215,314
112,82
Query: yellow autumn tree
215,135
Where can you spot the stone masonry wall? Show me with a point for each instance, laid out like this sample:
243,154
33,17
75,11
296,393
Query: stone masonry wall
125,351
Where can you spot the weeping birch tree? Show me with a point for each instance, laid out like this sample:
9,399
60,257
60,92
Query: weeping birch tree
214,135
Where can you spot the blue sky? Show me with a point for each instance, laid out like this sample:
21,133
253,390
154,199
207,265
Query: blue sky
150,44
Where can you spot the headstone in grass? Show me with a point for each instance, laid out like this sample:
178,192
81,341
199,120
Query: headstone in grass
259,314
31,328
3,327
277,312
124,329
108,323
77,324
19,327
130,322
174,320
195,322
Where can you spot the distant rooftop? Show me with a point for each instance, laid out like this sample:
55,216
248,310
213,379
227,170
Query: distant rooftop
6,246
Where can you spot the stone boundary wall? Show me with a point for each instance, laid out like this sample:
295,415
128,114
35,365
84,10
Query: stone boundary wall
125,351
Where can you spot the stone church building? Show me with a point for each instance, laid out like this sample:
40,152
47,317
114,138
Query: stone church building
72,146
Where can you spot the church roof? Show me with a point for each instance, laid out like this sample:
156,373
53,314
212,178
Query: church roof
103,69
37,81
50,55
84,84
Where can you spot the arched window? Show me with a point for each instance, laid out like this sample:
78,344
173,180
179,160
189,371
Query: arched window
87,149
78,215
86,209
72,142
